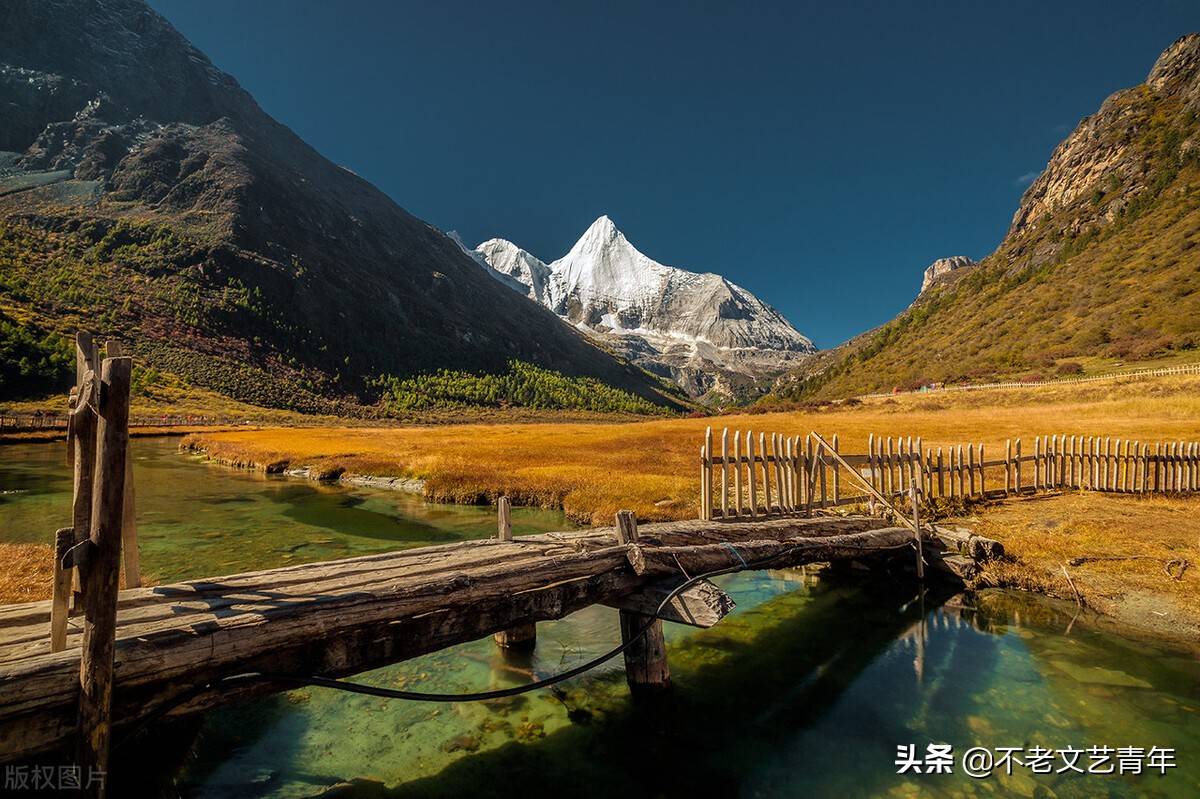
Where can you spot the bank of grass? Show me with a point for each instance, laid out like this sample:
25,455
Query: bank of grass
1115,549
592,470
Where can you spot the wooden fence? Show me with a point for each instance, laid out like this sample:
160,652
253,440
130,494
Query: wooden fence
752,474
1190,369
26,422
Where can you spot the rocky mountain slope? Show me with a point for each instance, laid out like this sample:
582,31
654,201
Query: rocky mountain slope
145,195
1101,260
711,336
942,267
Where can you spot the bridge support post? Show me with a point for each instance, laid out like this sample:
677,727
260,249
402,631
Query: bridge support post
100,570
523,637
646,666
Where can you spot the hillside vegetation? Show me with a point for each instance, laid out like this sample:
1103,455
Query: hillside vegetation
145,196
1101,262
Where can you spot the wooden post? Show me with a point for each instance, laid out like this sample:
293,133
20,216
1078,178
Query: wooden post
1037,463
646,666
871,459
1157,467
766,473
1007,466
941,480
737,472
790,472
83,427
971,467
101,570
64,539
750,472
1017,468
891,484
725,473
810,477
962,481
821,450
982,473
837,475
780,488
913,494
129,544
522,637
1142,450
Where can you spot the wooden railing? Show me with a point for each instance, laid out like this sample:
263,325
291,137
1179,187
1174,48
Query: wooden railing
26,422
1190,369
750,474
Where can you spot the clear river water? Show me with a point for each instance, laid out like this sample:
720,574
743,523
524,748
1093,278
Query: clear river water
807,689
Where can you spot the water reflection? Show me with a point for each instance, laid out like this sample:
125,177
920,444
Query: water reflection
805,690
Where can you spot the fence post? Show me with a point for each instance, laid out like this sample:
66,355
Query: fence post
750,473
810,475
522,636
737,472
725,473
891,477
780,488
766,473
100,569
1007,466
1017,470
837,474
971,467
646,666
789,475
871,459
1157,466
982,473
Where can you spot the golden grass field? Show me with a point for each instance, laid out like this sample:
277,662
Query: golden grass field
592,469
651,467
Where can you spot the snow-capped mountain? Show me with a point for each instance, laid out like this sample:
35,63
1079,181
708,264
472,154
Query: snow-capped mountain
708,334
509,259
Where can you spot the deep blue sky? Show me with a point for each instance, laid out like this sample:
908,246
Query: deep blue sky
819,155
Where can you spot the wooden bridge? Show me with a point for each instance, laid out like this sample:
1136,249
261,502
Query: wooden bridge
87,662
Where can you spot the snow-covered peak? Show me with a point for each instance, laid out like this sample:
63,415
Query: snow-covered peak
606,285
509,259
605,270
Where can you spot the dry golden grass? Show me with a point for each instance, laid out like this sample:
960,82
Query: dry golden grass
27,574
1133,538
651,467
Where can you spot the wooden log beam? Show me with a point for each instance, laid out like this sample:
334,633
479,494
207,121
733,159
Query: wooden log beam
701,605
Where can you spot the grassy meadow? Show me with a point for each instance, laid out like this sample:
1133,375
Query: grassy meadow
591,469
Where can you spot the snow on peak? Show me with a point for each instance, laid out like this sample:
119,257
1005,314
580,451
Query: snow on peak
509,259
606,284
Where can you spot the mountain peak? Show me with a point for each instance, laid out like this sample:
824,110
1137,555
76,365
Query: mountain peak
1176,69
602,232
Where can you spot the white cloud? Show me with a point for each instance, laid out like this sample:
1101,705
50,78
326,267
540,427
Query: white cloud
1028,177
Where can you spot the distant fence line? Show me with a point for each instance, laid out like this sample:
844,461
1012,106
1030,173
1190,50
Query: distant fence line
779,474
1193,369
20,423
